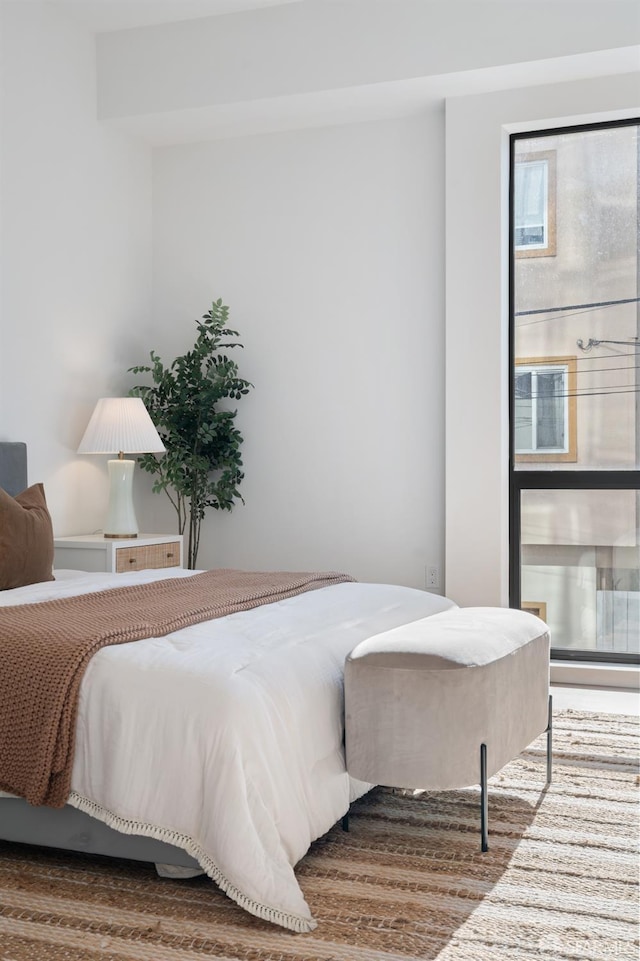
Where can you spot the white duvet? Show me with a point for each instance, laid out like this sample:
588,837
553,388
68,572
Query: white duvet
226,738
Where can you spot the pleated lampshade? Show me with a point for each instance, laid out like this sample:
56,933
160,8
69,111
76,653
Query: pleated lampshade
120,424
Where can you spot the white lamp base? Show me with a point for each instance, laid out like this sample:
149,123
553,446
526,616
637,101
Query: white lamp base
121,518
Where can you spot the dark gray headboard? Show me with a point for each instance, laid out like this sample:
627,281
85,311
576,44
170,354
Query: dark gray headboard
13,467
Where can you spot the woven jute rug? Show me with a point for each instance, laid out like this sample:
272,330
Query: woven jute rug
559,882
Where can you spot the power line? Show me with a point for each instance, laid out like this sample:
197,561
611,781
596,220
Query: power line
584,360
553,367
597,304
591,343
598,370
608,392
547,320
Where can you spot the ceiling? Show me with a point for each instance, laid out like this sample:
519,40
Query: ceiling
104,15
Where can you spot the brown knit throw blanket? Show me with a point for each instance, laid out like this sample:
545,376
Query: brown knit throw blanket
45,649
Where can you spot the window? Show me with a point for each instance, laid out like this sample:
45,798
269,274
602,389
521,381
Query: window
535,204
574,521
545,409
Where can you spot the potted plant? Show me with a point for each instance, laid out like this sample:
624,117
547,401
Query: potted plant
202,467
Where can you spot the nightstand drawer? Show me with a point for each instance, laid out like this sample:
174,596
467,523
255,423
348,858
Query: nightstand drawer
148,556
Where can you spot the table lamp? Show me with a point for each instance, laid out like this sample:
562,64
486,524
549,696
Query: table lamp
120,424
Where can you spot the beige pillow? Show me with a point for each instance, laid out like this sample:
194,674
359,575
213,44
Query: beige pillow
26,538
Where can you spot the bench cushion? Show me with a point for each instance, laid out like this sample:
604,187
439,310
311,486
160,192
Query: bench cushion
420,699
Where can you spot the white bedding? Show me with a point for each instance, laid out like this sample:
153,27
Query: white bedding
225,738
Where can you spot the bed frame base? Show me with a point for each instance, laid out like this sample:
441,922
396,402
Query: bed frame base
73,830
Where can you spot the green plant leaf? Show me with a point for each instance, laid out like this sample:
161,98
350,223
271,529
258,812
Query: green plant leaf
201,468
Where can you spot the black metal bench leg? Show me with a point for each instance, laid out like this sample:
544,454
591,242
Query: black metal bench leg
484,801
484,798
549,740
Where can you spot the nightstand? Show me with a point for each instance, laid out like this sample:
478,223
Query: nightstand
93,552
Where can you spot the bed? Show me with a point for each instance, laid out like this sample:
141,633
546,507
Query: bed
217,748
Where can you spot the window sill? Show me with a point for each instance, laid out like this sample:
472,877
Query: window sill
595,674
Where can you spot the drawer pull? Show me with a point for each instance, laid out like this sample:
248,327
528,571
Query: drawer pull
132,560
170,555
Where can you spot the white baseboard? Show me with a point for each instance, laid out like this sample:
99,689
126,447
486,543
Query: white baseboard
594,674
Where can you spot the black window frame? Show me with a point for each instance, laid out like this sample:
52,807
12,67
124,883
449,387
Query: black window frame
567,479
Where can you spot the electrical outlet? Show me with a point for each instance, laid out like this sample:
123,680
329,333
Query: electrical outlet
433,576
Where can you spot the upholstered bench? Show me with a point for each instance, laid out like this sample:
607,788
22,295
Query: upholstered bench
447,701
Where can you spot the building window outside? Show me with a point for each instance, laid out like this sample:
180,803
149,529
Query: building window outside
535,205
545,409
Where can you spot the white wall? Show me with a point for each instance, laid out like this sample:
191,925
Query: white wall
308,48
477,534
327,246
76,256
